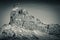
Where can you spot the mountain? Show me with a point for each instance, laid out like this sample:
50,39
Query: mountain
24,26
54,29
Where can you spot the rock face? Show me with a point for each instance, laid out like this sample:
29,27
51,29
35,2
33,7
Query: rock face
23,26
54,29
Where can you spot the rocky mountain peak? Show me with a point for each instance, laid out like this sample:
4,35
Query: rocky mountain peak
23,26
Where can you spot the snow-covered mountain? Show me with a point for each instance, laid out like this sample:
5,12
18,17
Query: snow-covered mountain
24,26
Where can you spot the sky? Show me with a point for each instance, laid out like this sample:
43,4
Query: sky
48,12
